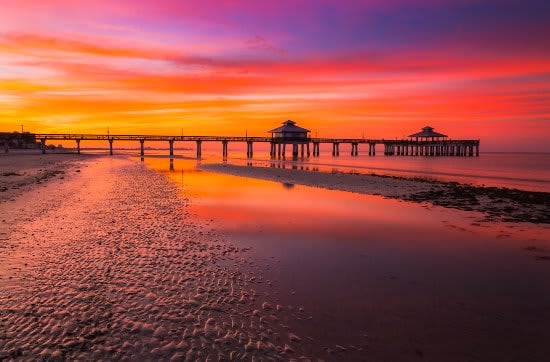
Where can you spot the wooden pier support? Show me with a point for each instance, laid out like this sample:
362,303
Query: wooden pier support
302,150
249,149
6,146
224,148
171,142
43,145
199,149
355,149
336,149
294,150
111,147
316,149
142,142
446,148
308,153
78,146
284,150
272,149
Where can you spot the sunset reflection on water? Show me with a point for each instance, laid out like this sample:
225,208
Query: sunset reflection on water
246,204
364,264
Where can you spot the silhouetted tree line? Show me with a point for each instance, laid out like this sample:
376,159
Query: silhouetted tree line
18,139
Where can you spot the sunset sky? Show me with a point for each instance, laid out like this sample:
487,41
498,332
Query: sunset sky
382,68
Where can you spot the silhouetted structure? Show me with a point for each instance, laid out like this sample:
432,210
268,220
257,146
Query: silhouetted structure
424,143
430,143
289,133
17,140
427,133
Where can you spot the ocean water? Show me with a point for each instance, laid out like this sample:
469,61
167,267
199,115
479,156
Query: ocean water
382,279
526,171
511,170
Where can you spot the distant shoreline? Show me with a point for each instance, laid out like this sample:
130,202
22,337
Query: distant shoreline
497,204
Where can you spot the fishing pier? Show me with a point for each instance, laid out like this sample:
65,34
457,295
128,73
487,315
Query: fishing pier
425,143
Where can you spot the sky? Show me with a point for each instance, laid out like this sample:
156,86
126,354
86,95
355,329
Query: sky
476,69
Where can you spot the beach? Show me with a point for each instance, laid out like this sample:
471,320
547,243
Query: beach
115,258
104,265
20,170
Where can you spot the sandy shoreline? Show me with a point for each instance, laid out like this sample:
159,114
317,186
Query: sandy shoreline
101,268
22,171
110,263
495,203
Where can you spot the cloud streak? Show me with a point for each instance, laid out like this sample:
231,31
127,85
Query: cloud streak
384,66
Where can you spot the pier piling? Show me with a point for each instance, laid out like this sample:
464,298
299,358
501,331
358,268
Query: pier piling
249,149
336,149
199,149
316,149
224,148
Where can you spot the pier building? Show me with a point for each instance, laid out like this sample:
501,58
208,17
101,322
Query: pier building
289,133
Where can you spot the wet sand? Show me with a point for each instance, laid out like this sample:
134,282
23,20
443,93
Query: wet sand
110,262
105,264
495,204
20,171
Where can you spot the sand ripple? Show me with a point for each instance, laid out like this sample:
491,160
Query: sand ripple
117,271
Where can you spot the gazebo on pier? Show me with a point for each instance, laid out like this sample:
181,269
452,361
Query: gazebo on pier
428,134
431,143
289,133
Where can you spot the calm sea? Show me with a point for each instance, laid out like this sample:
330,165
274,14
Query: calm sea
526,171
392,277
